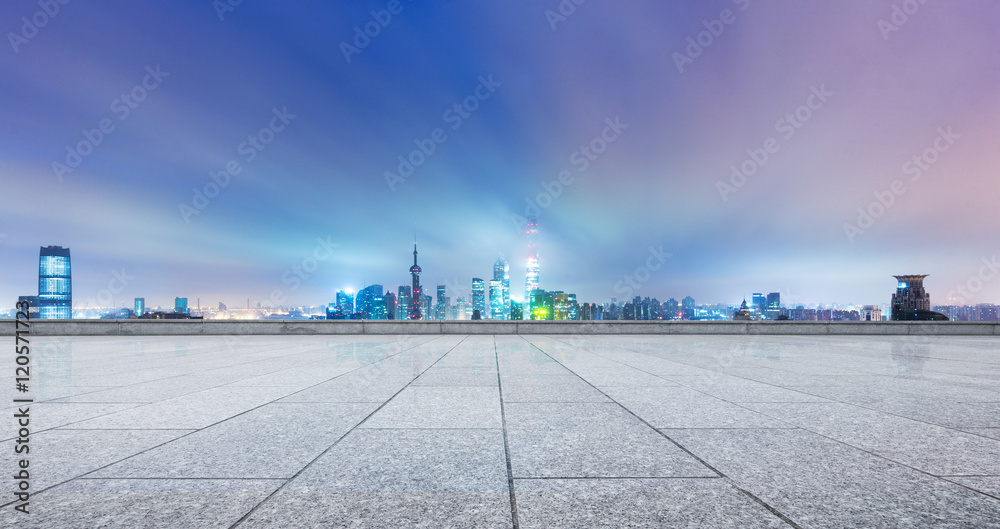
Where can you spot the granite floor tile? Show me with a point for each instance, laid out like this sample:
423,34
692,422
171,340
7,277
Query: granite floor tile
440,407
823,484
681,407
58,455
134,503
933,449
388,479
273,441
590,440
191,411
638,504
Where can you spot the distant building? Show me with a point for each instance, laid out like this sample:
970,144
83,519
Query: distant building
687,308
441,309
181,306
911,301
140,307
370,302
390,305
516,311
501,273
416,311
404,302
479,296
496,300
345,305
531,274
871,313
55,284
32,302
773,306
744,313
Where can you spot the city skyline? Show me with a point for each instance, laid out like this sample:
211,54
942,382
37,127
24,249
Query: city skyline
809,149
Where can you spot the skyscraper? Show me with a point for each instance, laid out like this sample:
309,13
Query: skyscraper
404,302
531,277
774,305
479,296
501,274
911,301
441,309
496,300
415,312
759,303
140,307
390,305
345,304
181,305
370,301
55,284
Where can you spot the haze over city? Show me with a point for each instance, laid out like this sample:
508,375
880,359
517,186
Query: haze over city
814,149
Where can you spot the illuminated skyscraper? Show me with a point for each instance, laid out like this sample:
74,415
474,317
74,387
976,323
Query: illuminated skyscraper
370,301
404,302
55,284
501,274
345,304
479,296
140,307
441,309
417,299
496,300
181,306
531,278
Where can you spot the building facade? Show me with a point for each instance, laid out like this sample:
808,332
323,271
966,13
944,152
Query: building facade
55,284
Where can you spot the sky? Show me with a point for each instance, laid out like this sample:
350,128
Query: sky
280,151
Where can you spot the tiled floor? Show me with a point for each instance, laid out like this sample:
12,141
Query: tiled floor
507,431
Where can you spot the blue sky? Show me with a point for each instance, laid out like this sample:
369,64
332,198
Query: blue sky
893,88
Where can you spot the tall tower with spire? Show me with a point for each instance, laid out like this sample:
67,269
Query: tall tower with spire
415,296
531,278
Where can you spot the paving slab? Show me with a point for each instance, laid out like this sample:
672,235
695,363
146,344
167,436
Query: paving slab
590,440
383,479
638,504
150,504
440,407
273,441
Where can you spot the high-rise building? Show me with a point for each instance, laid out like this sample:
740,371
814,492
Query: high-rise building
441,309
425,306
417,300
181,306
140,307
496,300
501,273
370,301
345,304
773,310
911,301
531,277
516,310
55,284
759,303
687,308
404,302
479,296
390,305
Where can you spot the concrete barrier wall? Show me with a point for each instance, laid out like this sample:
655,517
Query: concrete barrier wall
308,327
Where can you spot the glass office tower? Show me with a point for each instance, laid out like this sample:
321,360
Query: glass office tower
55,284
